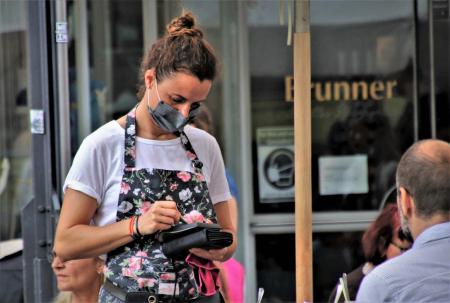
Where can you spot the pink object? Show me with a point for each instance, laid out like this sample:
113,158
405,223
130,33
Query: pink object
208,274
234,273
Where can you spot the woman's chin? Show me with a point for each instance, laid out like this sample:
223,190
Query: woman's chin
64,285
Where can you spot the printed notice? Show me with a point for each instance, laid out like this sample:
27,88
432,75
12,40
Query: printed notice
339,175
275,164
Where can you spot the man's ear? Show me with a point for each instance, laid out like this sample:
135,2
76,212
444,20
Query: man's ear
149,76
406,202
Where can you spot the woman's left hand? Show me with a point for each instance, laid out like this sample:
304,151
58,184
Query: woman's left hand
212,254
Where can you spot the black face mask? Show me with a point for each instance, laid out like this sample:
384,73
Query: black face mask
167,117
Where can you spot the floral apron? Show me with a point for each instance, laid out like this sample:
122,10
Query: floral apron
141,265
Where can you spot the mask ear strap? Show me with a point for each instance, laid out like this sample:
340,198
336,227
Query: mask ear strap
157,92
148,97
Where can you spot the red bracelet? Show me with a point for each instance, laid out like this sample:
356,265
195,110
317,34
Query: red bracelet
131,227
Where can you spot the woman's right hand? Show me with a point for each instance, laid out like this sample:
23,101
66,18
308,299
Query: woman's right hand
161,216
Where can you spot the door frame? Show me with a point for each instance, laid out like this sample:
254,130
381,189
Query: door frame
38,220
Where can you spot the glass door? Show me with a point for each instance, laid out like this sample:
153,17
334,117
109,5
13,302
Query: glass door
16,184
16,181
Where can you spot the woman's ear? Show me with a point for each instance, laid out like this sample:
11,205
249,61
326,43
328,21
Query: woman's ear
149,76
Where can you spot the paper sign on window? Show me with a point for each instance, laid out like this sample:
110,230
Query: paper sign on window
339,175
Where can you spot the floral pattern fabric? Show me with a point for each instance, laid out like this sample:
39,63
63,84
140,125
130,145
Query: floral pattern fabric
141,264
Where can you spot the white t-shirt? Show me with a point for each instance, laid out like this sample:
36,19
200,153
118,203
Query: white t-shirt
97,168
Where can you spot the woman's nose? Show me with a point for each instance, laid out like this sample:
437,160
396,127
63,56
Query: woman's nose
184,110
57,262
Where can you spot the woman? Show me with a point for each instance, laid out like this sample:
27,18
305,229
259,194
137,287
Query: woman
383,240
78,280
144,172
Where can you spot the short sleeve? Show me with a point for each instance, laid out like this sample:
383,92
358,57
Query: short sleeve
232,184
218,187
86,173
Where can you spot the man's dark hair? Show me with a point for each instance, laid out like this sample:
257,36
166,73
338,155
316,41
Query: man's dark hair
424,172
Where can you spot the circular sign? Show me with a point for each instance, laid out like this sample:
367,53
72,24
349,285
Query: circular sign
279,168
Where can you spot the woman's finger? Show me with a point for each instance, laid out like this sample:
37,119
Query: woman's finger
165,204
164,219
213,254
166,212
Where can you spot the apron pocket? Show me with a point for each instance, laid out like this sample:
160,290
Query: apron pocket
167,284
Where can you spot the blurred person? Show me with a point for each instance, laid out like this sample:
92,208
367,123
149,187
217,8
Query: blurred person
422,274
79,280
382,240
231,271
147,171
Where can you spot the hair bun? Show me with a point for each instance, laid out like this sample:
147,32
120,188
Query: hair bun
184,25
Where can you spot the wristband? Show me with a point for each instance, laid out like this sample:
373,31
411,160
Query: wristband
131,227
136,228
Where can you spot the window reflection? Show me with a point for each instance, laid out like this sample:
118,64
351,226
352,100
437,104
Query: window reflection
362,97
16,187
115,47
275,265
362,100
442,76
333,255
271,61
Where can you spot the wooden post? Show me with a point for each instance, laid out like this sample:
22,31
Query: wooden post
302,137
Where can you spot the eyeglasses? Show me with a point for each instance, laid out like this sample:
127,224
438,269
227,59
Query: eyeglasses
402,249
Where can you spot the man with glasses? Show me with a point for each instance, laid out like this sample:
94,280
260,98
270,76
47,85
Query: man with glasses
421,274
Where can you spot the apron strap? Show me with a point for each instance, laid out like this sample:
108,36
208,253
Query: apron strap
130,140
190,153
130,145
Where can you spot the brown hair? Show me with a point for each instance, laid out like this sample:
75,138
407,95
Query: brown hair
203,120
183,48
377,237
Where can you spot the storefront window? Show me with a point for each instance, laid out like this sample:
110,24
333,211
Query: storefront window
441,69
271,61
333,254
115,48
362,100
16,186
362,59
275,262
